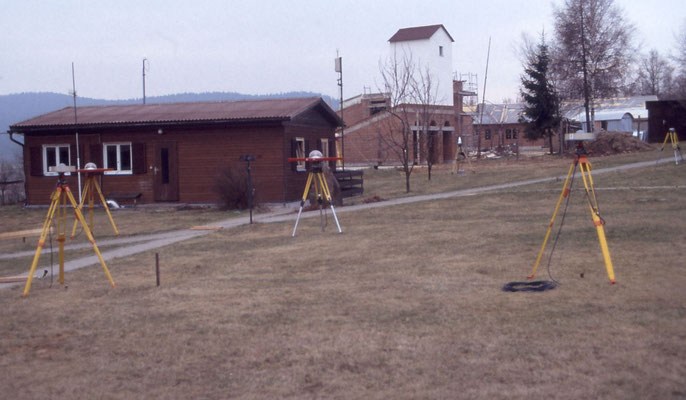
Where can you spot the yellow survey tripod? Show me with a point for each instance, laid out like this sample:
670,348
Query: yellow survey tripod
58,204
321,188
585,167
674,140
89,189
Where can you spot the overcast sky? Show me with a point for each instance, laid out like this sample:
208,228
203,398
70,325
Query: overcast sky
268,46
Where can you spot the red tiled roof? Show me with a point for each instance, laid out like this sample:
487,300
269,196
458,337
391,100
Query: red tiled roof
417,33
134,114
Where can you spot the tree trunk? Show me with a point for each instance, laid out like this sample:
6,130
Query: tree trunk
407,180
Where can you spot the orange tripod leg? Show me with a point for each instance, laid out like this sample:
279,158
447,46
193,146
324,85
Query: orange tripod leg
565,193
597,221
41,240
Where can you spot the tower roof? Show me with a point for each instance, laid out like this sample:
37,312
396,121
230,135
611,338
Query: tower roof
418,33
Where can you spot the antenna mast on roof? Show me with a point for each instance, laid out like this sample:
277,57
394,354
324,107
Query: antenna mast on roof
78,157
144,60
339,68
483,99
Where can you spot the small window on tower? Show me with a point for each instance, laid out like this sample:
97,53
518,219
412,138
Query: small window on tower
440,51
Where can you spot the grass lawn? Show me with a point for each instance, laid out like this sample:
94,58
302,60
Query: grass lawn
406,303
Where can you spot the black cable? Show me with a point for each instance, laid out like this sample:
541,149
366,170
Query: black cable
562,222
535,286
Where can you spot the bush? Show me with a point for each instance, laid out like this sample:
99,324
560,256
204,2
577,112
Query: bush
231,187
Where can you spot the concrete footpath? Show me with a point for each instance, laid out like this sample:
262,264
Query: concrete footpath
126,246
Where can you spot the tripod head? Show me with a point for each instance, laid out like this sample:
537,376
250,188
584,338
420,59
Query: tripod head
61,170
316,158
579,138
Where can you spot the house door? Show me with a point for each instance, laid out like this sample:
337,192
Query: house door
165,172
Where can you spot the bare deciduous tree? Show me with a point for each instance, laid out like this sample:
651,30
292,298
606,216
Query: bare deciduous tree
397,75
424,94
655,74
411,92
593,50
679,84
10,172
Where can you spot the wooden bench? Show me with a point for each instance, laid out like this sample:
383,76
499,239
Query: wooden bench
119,196
23,234
350,182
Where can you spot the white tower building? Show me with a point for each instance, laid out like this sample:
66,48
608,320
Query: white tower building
428,46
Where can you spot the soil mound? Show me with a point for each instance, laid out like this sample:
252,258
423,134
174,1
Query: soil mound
608,143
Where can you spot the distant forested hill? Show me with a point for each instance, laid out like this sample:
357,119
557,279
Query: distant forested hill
15,108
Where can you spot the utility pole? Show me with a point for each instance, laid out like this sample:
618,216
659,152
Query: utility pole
78,157
339,69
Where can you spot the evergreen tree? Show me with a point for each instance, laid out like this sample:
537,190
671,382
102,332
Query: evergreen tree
542,104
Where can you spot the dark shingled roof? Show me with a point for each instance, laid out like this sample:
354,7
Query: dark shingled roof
142,114
417,33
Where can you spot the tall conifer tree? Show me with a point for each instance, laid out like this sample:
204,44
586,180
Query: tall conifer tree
542,104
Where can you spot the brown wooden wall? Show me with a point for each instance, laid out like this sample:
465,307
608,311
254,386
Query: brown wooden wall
201,153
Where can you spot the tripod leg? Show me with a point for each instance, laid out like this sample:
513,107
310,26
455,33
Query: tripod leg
662,148
79,216
107,209
302,202
320,200
83,199
41,240
565,193
90,210
61,232
598,222
327,193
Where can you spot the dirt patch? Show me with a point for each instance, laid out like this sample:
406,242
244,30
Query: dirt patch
373,199
608,143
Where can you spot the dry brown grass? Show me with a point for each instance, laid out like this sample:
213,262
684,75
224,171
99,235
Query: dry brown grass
390,183
129,222
406,303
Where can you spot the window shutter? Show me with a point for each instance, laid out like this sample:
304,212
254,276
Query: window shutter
36,160
95,155
73,155
307,153
138,158
294,144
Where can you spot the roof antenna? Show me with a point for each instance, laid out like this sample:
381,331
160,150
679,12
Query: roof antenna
78,157
483,100
144,60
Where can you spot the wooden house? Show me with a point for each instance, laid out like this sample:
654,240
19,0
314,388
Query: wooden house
666,114
174,152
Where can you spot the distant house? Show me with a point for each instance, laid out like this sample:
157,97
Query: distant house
370,131
618,114
173,152
503,124
500,125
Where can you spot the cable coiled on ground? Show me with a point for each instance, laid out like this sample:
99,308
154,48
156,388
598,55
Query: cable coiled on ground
534,286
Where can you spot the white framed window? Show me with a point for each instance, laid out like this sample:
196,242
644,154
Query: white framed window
54,155
325,147
118,157
300,153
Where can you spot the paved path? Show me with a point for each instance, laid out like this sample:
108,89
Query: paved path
141,243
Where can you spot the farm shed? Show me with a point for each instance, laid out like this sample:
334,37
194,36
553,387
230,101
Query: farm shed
665,114
173,152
